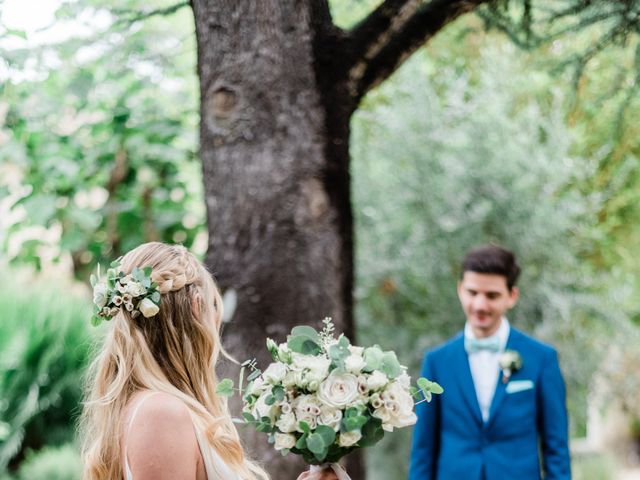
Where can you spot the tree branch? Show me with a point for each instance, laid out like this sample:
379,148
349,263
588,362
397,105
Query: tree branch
392,32
130,17
370,34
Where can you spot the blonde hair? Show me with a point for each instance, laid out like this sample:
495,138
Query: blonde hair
174,352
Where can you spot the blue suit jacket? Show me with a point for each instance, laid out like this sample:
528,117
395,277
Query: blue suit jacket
450,440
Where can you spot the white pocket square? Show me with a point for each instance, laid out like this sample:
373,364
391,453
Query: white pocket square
519,386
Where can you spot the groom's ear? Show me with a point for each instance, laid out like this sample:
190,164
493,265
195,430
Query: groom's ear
514,294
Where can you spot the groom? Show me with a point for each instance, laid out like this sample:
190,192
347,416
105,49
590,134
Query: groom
498,411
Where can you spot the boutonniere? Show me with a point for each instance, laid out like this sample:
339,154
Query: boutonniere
510,363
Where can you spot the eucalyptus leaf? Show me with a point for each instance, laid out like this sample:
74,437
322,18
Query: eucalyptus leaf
317,445
225,387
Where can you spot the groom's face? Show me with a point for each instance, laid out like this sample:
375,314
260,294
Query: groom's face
485,298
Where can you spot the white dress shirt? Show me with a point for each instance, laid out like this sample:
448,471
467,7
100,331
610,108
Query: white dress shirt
485,367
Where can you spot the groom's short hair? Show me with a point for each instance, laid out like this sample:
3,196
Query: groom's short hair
492,259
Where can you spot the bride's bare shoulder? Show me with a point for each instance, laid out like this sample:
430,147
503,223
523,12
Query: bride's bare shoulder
159,404
161,439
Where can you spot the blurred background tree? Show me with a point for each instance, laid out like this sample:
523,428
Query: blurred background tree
470,141
99,140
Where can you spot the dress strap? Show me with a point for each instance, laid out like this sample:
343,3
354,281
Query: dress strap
128,474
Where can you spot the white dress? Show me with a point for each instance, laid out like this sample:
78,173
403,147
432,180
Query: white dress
214,465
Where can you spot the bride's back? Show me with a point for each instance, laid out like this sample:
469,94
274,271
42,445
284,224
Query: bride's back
158,439
164,312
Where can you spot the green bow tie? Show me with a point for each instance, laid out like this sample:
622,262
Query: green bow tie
473,345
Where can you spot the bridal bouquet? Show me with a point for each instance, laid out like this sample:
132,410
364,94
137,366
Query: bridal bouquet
322,397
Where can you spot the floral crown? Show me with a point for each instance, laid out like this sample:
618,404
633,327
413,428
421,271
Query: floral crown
135,293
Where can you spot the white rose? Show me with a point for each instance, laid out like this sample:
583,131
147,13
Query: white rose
313,385
399,403
315,367
354,363
100,294
347,439
330,417
256,386
287,423
339,389
356,350
261,409
275,372
135,289
377,380
284,441
148,308
293,378
383,414
404,380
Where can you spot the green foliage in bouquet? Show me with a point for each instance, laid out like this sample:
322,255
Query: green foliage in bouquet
322,398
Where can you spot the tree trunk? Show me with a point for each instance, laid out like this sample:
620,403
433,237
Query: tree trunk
274,148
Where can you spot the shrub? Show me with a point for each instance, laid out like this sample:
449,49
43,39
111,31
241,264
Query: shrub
52,463
44,341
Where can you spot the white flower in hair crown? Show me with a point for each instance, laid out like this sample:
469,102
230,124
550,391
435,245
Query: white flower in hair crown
510,362
134,292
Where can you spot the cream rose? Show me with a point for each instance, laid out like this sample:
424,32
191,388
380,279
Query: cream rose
100,295
330,417
404,380
275,373
354,363
287,423
148,308
135,289
261,409
293,378
356,350
311,368
339,389
284,440
256,386
383,414
399,403
377,380
347,439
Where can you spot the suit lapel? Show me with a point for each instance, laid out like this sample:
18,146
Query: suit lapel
498,396
465,380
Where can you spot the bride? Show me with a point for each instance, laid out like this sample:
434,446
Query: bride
151,410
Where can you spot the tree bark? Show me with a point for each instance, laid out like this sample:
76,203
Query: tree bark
278,84
276,181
